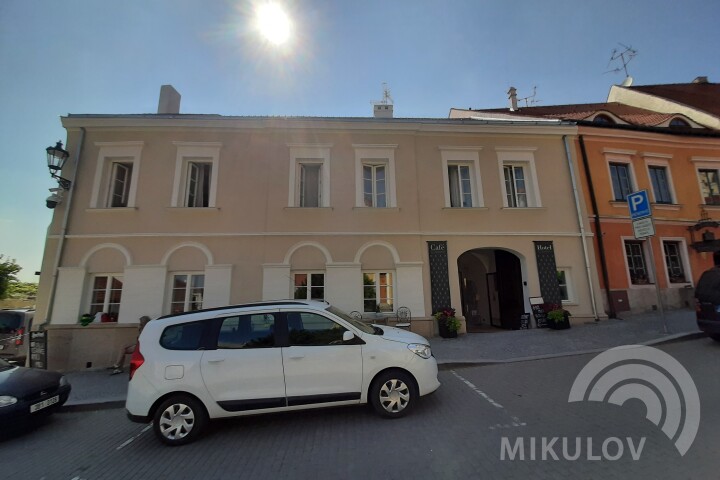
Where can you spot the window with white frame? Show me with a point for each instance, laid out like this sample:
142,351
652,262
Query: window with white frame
374,181
621,181
106,295
461,176
309,286
309,175
674,261
378,292
564,277
196,174
375,176
660,183
518,177
116,175
187,292
637,266
709,185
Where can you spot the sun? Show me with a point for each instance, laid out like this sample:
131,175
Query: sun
273,23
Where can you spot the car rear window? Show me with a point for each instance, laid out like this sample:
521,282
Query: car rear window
247,331
10,321
185,336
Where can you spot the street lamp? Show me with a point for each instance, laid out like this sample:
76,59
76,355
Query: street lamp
56,158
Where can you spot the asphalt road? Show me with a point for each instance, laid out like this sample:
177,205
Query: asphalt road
475,426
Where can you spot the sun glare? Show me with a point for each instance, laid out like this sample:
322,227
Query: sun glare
273,23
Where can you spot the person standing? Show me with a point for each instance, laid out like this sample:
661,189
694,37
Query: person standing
127,349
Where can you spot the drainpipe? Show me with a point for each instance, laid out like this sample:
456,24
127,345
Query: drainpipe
63,230
581,223
598,229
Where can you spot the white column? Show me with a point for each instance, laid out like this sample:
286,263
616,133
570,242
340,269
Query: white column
276,281
143,292
409,287
343,286
218,283
69,296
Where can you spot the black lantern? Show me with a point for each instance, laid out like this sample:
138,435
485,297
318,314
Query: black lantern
56,158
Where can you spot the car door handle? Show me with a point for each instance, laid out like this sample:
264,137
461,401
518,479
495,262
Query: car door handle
215,360
299,357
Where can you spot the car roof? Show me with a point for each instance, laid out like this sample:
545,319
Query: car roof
313,304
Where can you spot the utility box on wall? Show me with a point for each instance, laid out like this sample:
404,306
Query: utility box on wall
619,299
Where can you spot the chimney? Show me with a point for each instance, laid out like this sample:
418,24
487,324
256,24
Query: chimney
383,110
169,100
512,95
700,80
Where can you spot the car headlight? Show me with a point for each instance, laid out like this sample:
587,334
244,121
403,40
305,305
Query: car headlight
420,350
7,400
63,381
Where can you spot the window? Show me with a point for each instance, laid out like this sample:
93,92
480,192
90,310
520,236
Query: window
515,189
187,293
375,176
621,181
120,184
198,184
311,329
374,191
247,331
679,122
378,292
196,174
564,281
106,296
603,119
116,175
309,175
309,286
185,336
635,255
660,184
309,189
460,186
673,262
710,186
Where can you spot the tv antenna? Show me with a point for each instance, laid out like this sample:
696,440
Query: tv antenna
530,100
625,56
387,99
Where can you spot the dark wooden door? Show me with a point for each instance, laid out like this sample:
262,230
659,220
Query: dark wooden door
510,291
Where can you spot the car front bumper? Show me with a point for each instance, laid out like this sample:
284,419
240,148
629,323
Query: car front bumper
709,326
20,412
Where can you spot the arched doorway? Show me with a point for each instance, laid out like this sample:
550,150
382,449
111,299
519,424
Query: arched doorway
491,289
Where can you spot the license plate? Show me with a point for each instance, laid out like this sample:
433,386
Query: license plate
44,404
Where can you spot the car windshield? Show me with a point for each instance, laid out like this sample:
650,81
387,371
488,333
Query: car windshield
364,327
10,321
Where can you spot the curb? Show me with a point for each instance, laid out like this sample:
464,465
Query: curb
91,406
678,337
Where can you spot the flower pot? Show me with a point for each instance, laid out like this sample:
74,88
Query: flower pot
560,324
445,332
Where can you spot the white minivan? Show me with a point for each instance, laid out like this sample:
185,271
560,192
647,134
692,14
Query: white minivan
271,356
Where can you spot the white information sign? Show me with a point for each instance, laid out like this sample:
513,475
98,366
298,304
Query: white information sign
643,227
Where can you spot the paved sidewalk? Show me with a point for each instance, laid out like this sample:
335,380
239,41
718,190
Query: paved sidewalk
94,389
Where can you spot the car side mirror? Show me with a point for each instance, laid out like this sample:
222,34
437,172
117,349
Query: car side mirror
348,336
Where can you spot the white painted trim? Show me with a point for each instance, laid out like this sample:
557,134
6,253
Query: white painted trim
706,160
682,248
617,151
96,248
614,158
194,150
516,149
459,148
646,257
297,246
199,246
522,156
705,164
389,246
660,160
110,152
572,299
384,153
667,156
463,156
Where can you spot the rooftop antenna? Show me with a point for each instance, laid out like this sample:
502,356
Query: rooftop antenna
625,56
530,100
387,99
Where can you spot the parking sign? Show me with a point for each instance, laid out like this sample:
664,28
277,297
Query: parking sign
639,204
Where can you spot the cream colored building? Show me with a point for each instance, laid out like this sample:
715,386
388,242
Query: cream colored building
171,212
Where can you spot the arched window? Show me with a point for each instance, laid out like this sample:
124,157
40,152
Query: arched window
679,122
603,119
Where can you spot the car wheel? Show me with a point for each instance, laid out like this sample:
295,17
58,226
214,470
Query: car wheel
393,394
179,420
715,336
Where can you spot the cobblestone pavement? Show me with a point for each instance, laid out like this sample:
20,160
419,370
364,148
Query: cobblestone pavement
455,433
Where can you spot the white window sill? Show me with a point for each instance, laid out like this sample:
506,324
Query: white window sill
619,204
680,285
377,209
709,206
666,206
511,209
111,209
641,286
192,209
458,209
307,209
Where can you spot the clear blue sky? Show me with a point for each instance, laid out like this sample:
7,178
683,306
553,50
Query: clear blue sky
80,56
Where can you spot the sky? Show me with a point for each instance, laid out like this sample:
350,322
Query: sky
109,57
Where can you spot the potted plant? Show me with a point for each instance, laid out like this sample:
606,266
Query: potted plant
448,323
558,318
86,319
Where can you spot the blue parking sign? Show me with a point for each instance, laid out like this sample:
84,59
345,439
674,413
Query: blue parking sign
639,204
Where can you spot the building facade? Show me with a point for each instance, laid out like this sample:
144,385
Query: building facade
170,212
